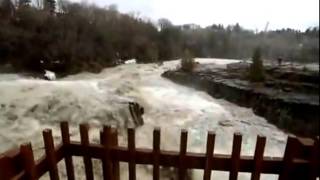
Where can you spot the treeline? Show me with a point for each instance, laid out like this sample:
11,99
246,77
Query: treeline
71,37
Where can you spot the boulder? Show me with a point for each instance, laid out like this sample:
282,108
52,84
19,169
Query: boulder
226,123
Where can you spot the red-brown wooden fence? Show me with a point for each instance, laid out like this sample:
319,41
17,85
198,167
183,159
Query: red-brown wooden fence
300,161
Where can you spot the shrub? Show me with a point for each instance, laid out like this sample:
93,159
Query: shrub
256,72
187,62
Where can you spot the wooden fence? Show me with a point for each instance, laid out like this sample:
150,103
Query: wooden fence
300,161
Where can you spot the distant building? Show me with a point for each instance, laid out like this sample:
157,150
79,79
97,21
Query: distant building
190,26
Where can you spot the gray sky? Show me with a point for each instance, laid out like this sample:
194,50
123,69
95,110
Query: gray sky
252,14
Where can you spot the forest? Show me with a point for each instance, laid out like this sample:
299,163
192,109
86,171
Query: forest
72,37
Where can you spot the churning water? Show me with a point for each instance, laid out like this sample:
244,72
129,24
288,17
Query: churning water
27,106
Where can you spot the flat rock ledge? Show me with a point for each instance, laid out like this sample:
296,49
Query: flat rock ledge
293,107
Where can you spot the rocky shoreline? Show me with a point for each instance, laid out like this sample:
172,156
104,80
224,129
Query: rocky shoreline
288,98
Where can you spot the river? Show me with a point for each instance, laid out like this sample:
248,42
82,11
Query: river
28,105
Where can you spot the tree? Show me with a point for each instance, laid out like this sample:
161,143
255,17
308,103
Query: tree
164,23
85,37
256,72
50,6
24,3
187,62
6,9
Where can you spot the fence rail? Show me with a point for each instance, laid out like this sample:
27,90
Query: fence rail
300,161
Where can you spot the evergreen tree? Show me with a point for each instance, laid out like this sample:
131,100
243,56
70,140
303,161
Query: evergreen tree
187,62
256,72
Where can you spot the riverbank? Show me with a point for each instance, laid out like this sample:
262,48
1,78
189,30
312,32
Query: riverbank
288,98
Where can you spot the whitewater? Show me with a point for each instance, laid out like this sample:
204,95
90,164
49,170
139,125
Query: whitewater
29,105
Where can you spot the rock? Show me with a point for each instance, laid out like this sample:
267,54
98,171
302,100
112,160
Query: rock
226,123
239,65
299,97
136,112
269,84
33,108
287,89
245,122
11,116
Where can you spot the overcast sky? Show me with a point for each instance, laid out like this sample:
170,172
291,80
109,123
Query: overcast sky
252,14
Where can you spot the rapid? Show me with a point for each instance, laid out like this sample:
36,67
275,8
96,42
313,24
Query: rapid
29,105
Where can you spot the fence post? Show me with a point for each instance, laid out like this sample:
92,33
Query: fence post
183,150
156,153
258,157
28,161
106,141
102,160
115,163
314,160
84,135
290,152
235,156
64,126
209,155
132,151
50,154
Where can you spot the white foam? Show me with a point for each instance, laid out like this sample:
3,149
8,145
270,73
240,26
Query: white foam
100,98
